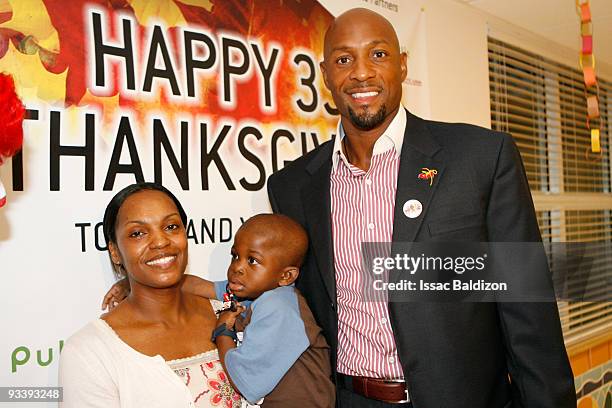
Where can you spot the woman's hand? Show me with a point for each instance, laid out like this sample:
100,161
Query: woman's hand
119,291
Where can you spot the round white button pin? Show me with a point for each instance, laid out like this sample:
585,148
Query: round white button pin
412,208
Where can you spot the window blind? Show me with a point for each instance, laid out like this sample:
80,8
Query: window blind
542,104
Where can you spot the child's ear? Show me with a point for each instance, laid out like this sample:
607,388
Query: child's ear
289,275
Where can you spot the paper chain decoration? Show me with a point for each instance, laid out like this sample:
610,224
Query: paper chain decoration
587,63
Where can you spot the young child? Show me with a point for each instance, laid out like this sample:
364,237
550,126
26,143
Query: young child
283,357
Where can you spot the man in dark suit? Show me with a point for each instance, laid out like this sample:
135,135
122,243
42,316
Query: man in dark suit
365,186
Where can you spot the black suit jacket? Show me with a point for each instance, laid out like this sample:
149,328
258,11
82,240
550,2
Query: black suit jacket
472,355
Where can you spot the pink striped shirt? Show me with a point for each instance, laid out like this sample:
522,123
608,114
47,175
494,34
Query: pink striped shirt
362,205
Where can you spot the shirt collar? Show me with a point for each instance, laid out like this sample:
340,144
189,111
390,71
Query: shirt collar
392,138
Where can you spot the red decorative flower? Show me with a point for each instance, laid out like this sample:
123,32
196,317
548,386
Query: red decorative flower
223,393
11,118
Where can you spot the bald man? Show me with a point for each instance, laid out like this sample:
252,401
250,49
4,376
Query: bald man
364,186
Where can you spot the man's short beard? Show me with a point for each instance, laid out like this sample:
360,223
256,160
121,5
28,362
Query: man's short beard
367,120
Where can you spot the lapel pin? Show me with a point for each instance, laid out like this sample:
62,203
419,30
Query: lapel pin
427,174
412,208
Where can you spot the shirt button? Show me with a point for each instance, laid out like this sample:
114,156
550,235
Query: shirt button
391,359
371,226
368,182
383,321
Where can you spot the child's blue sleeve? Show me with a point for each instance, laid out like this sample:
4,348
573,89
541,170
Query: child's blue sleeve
220,287
273,341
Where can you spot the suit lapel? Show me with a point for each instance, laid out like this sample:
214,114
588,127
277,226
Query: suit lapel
418,152
317,210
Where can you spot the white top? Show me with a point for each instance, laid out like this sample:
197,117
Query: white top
98,369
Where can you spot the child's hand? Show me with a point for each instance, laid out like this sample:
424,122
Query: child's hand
116,294
229,318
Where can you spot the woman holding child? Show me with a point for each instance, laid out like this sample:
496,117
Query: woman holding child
154,349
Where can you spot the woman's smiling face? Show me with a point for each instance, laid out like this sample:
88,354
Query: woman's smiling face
151,243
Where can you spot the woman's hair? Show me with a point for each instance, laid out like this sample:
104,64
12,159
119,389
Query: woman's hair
112,210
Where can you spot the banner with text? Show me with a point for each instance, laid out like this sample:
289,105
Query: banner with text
207,97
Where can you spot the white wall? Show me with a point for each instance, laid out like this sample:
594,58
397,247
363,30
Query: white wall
457,63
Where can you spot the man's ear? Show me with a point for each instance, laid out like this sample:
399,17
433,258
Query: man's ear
404,65
114,254
289,275
324,73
